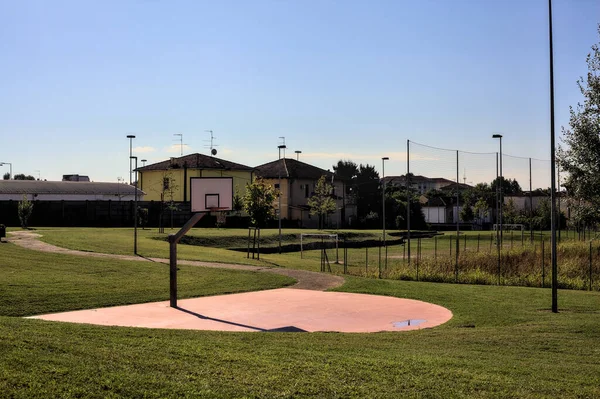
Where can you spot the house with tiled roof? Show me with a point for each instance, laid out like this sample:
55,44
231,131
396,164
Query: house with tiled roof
173,176
298,180
421,184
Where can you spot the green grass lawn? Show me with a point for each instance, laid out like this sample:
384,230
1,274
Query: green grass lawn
501,342
36,282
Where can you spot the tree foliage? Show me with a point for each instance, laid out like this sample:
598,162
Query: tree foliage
6,176
258,202
322,203
24,210
580,155
22,176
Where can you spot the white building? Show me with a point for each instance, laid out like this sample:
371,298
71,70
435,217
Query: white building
67,191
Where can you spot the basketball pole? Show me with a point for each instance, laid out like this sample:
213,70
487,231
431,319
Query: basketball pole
173,240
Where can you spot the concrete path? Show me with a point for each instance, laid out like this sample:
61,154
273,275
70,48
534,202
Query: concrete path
305,280
280,310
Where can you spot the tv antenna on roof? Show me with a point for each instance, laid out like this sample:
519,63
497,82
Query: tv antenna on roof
180,142
213,150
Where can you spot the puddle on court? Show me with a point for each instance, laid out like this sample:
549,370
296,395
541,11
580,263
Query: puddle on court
408,323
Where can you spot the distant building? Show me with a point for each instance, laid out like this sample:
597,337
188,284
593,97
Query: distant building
67,191
421,184
75,178
298,181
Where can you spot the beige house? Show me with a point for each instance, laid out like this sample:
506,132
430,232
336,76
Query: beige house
298,181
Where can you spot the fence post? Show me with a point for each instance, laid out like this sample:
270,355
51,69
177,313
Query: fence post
366,261
435,248
478,238
451,246
465,242
511,238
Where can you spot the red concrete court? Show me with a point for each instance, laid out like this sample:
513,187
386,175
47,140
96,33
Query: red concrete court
283,309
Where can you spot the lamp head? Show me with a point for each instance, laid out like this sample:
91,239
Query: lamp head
497,136
385,158
130,136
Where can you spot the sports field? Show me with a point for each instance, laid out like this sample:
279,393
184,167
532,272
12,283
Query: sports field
501,342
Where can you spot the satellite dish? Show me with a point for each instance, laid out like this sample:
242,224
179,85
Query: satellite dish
213,151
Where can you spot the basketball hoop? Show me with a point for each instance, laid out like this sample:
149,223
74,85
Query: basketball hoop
220,214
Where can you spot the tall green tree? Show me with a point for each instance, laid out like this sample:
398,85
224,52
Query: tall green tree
368,191
322,203
258,202
580,154
6,176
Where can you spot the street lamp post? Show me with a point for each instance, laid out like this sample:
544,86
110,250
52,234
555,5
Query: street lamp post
298,154
10,166
144,162
135,210
280,147
501,182
130,137
383,194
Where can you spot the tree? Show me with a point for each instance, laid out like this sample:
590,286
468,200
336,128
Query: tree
6,176
321,203
368,191
466,213
24,210
21,176
481,208
167,198
238,202
258,202
346,171
509,186
580,157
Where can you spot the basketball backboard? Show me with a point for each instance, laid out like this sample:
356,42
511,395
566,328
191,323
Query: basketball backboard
211,192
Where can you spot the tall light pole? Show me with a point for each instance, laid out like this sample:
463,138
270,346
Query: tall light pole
280,147
144,162
501,182
180,142
383,194
553,216
10,166
135,210
130,137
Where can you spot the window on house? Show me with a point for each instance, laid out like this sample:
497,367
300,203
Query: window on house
165,183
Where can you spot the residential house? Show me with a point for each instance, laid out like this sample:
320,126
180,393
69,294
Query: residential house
420,184
298,181
171,178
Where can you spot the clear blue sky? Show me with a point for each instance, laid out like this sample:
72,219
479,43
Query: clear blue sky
351,79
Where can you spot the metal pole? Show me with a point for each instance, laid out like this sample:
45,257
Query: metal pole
279,212
530,203
553,167
501,196
407,181
383,195
497,217
173,271
457,221
135,211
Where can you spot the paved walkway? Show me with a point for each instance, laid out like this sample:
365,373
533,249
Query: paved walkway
305,280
